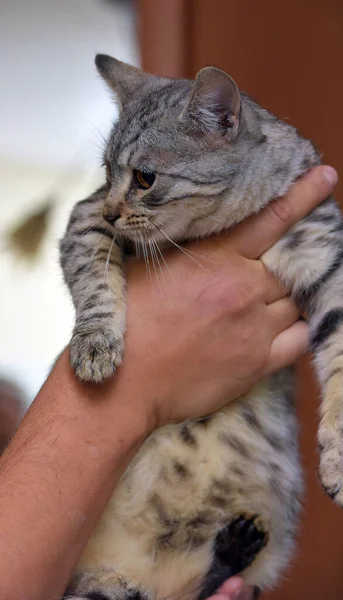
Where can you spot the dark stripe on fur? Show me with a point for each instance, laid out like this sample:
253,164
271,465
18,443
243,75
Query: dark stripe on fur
94,197
328,325
100,230
187,436
80,271
304,297
204,181
145,122
336,371
101,287
95,316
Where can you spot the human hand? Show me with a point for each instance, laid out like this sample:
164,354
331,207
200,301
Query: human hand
221,325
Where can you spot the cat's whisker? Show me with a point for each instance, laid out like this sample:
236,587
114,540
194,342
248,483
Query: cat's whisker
94,225
109,257
165,262
186,252
156,249
172,241
100,148
150,247
100,135
145,254
156,259
137,248
153,249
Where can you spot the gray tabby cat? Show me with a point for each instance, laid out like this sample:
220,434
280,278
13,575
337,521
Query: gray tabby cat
206,499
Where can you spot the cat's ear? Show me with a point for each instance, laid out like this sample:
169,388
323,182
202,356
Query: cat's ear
123,79
214,104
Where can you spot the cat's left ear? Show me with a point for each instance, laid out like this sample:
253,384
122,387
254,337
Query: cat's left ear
123,79
215,103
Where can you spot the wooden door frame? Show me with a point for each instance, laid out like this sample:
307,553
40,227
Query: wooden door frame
164,36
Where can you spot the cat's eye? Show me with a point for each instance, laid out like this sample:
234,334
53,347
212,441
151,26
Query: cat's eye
143,179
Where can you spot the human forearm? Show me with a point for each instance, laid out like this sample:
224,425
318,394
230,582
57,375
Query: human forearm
56,478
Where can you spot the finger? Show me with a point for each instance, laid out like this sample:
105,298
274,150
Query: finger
271,287
258,233
233,585
282,314
288,346
234,589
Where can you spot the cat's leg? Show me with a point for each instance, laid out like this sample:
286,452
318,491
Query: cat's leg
92,266
309,260
236,547
101,583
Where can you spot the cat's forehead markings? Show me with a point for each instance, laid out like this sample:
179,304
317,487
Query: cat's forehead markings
198,180
122,186
125,156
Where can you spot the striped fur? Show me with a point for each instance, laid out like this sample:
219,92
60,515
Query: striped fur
218,157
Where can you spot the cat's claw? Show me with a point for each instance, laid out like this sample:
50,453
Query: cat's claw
95,356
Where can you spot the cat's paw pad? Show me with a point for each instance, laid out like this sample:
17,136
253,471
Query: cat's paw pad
95,356
238,544
330,443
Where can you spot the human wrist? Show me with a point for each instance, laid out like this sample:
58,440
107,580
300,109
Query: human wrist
103,407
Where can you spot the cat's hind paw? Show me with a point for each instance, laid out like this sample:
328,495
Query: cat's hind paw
330,443
239,543
94,356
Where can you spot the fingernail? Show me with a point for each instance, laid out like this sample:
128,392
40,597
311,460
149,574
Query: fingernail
331,176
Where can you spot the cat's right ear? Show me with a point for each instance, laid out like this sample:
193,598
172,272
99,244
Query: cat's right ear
214,105
123,79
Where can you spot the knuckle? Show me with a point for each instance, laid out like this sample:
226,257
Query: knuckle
231,296
324,188
313,186
280,210
238,296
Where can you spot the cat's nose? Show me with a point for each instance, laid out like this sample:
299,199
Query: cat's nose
112,217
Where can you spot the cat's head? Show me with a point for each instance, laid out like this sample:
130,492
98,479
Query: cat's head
175,151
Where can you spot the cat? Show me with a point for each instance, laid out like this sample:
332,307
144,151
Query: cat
206,499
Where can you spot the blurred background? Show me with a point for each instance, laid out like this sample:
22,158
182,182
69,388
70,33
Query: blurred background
55,113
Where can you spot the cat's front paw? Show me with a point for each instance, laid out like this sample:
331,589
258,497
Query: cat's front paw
94,356
330,443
